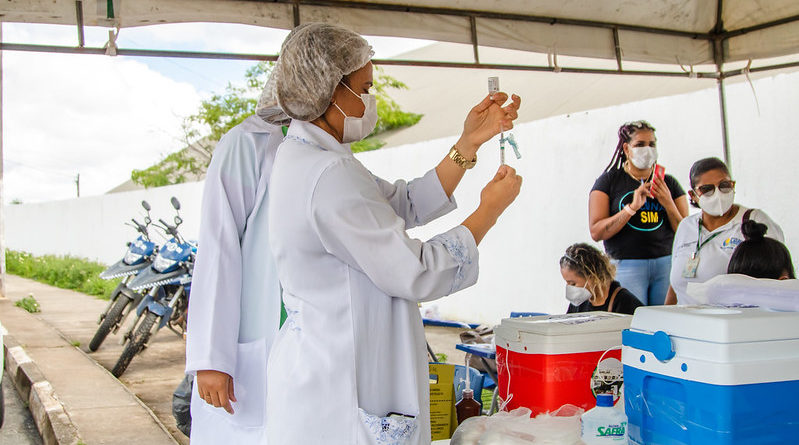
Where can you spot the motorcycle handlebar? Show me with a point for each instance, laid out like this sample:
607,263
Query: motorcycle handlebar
139,227
172,230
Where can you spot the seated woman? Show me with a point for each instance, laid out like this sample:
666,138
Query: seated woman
760,273
761,257
589,282
704,241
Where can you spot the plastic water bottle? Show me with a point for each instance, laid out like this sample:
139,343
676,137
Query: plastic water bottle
604,424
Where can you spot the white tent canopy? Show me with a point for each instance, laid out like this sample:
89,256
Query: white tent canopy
676,34
685,32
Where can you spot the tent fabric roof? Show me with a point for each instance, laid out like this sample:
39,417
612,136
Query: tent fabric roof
665,31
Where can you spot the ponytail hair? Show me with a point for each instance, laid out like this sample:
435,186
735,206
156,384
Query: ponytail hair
626,133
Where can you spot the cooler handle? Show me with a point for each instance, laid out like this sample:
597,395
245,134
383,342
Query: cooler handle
658,343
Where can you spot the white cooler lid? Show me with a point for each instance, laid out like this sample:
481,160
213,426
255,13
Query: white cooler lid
718,324
569,324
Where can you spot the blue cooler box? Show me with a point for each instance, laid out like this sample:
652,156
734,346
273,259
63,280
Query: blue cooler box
711,375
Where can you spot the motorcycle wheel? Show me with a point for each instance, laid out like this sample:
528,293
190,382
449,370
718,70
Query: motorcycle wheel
136,344
111,319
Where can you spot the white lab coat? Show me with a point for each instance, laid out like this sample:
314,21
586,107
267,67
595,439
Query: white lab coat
234,308
353,349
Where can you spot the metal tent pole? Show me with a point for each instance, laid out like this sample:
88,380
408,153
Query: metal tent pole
719,36
725,138
2,201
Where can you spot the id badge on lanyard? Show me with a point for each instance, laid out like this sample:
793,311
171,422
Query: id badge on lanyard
692,264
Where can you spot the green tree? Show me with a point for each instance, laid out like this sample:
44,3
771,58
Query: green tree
389,114
221,112
173,169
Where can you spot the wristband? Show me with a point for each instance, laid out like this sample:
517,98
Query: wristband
629,210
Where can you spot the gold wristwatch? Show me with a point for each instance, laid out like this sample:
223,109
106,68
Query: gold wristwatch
464,163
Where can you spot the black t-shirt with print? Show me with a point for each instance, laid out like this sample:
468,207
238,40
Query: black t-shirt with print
624,303
648,233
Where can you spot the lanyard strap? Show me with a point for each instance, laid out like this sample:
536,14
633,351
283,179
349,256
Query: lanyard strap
700,244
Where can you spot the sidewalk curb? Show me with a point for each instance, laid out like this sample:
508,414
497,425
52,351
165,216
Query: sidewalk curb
48,413
146,408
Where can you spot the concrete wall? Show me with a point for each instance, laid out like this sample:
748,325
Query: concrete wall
562,156
93,226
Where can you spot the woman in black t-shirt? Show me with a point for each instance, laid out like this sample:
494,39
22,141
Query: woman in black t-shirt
636,214
589,282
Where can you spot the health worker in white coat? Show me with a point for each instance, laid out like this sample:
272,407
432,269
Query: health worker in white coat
349,365
234,312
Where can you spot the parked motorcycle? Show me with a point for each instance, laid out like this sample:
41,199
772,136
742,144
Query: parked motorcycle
123,299
166,303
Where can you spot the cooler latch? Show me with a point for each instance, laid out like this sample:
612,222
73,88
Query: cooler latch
658,343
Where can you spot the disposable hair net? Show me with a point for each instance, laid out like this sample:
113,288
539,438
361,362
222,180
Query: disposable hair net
312,61
268,108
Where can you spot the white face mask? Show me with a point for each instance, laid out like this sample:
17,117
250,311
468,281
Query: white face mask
357,128
577,295
717,204
643,157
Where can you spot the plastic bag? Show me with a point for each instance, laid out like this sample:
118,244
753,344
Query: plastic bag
736,289
181,404
561,427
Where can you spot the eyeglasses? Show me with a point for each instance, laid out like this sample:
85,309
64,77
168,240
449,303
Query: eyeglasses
709,189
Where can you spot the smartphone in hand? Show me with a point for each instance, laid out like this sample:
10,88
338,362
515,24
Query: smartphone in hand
660,172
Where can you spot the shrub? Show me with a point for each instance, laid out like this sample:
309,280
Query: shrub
66,272
29,304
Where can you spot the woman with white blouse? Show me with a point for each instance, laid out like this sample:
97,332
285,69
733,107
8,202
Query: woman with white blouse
705,241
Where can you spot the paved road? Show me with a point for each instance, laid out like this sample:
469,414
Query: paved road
18,428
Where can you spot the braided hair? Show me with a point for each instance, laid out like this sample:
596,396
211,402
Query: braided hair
626,133
590,263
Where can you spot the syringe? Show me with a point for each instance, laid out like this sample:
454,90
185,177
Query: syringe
493,87
501,145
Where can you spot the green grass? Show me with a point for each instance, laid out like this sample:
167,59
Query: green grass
29,304
66,272
485,396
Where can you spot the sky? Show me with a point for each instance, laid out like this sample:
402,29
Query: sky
100,117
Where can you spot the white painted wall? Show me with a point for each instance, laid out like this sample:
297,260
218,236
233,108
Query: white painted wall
93,226
562,156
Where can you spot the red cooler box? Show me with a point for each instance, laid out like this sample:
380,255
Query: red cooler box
547,361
